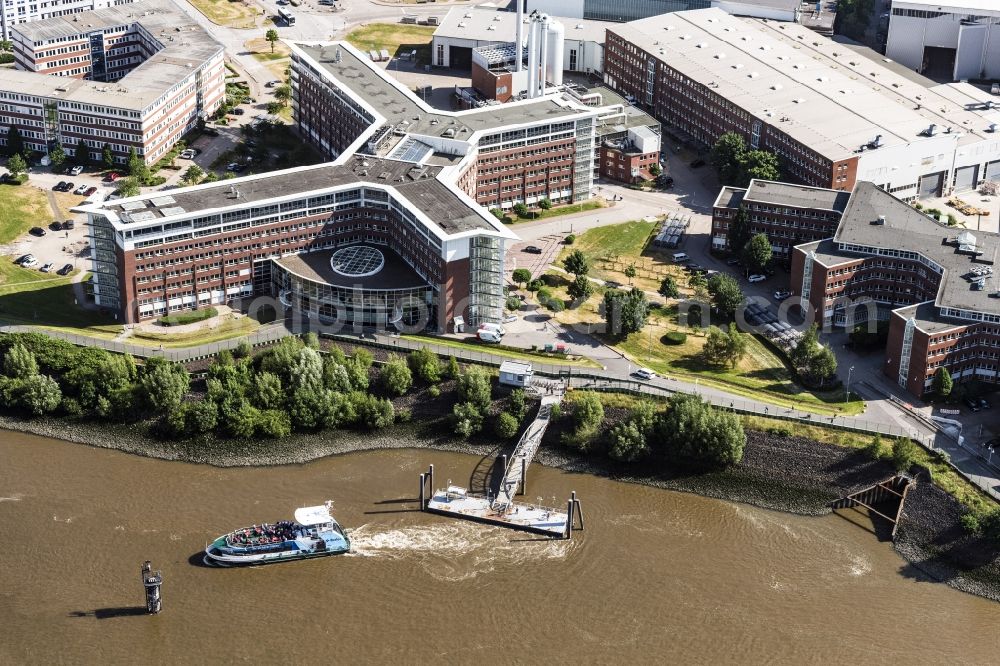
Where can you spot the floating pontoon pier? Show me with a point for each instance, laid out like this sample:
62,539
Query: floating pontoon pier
501,509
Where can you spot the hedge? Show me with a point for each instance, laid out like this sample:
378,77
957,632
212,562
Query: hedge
188,317
675,338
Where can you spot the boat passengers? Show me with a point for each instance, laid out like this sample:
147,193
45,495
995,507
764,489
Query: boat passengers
260,535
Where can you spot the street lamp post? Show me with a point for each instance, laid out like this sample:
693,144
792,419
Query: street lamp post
847,389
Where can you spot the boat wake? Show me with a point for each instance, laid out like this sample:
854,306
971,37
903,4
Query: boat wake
456,550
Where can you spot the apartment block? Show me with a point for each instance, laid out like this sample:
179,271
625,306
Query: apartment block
15,12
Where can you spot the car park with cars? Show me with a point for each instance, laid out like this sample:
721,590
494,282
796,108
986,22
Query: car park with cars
82,190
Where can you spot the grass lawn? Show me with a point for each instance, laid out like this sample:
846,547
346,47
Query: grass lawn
396,38
230,328
260,48
40,299
760,374
526,355
21,207
611,249
556,211
227,13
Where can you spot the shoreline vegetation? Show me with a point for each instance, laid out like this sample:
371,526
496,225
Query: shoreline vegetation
303,399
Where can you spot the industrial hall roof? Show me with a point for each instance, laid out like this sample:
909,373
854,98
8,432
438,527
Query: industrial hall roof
822,94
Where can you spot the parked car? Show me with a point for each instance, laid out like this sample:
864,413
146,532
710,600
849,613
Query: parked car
112,177
76,171
611,284
239,112
80,190
983,404
782,294
36,231
47,267
23,258
68,187
487,335
272,84
645,373
233,166
733,261
510,318
65,270
32,260
90,191
756,277
188,154
973,404
68,224
59,187
56,225
496,328
665,181
532,249
695,164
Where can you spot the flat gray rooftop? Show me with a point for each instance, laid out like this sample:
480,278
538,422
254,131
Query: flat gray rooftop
908,229
402,109
928,319
730,197
395,274
185,47
483,24
799,196
419,185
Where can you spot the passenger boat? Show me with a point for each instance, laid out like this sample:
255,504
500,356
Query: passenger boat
313,533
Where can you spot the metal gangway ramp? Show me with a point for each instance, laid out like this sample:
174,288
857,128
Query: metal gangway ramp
516,468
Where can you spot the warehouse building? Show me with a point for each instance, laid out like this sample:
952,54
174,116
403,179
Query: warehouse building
832,115
948,40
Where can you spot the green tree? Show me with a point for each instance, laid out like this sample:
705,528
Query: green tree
16,165
474,387
425,365
267,392
57,156
668,288
81,154
6,45
725,292
466,418
15,143
506,425
694,435
904,453
513,303
739,232
521,210
630,273
38,395
127,187
725,348
453,370
283,94
137,167
625,312
201,416
521,276
163,383
210,177
376,413
727,156
821,365
193,174
757,253
588,411
942,383
577,263
273,423
108,156
806,347
517,403
272,36
19,362
875,448
545,204
395,376
759,164
581,288
628,443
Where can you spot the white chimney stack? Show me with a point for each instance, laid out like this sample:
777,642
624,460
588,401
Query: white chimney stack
520,35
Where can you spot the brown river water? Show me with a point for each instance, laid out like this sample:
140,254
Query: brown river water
656,577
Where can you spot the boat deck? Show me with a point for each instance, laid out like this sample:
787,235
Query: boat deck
522,516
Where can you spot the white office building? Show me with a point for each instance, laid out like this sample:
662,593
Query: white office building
958,39
15,12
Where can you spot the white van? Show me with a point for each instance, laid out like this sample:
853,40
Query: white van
495,328
487,335
680,257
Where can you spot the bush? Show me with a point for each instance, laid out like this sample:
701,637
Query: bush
395,376
904,451
674,338
513,303
506,425
517,403
694,435
555,305
466,419
570,239
425,365
434,392
474,387
187,317
543,294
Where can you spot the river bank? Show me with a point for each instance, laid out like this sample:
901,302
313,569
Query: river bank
778,472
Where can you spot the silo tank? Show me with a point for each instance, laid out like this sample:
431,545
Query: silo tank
555,46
